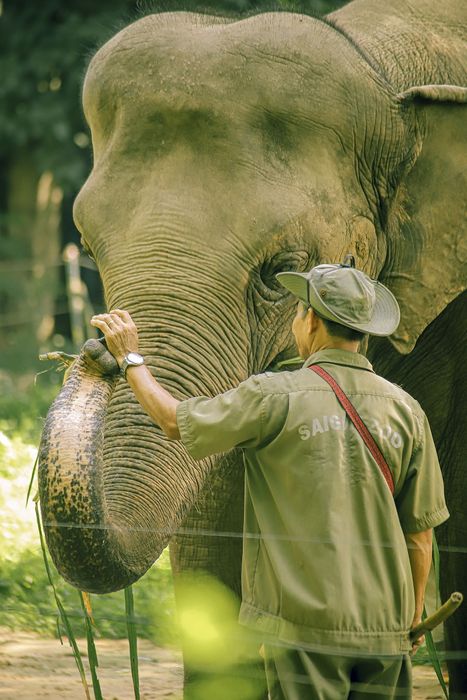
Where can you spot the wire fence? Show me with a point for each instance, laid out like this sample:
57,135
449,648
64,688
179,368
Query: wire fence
132,619
77,307
232,534
30,265
279,656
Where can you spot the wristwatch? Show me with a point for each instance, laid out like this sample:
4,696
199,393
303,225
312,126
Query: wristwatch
132,359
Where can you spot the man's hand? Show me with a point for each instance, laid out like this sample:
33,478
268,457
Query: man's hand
121,337
121,334
419,547
418,642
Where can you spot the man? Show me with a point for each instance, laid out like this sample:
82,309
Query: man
334,564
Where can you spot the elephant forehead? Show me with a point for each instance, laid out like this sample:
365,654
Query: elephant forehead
278,61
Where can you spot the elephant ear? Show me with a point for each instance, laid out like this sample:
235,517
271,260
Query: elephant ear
427,250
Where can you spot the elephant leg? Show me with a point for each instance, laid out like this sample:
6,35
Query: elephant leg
210,544
435,373
452,574
452,535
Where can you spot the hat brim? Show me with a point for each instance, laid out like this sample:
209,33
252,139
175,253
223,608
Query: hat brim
386,313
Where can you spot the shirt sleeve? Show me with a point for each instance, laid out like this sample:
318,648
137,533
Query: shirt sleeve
211,425
420,502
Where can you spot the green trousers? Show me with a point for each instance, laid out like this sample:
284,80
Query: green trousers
296,674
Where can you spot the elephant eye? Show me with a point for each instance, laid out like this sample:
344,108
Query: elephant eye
86,249
285,261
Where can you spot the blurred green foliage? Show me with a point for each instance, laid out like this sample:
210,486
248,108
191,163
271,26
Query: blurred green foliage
27,603
23,411
26,597
45,48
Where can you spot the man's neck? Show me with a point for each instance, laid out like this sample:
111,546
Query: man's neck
333,344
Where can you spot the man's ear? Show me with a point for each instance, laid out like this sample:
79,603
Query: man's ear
426,264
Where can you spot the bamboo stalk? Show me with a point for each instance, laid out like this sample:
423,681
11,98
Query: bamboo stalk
439,616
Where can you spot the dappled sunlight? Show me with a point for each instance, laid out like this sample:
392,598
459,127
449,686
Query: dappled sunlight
19,531
198,626
207,613
223,657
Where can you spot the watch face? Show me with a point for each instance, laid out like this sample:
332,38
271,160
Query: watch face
134,358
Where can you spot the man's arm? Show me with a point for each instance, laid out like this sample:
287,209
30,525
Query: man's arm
419,546
121,337
158,403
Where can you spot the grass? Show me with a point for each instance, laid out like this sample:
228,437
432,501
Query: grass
63,617
22,413
132,639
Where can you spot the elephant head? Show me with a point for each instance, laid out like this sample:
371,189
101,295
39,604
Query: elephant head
225,152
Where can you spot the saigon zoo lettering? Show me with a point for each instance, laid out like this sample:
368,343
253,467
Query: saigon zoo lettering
325,423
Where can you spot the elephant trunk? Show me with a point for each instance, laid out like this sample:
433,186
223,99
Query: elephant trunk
109,506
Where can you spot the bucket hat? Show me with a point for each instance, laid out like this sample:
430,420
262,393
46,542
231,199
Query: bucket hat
345,295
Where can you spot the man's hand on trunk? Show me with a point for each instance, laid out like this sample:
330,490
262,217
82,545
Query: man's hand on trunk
120,332
121,336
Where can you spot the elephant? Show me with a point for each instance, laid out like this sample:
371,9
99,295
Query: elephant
225,151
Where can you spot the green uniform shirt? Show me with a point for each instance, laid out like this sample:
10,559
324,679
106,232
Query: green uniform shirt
325,562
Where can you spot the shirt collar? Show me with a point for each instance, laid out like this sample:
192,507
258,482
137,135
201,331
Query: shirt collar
339,357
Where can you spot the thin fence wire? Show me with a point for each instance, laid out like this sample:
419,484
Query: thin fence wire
193,532
10,319
30,265
231,534
234,534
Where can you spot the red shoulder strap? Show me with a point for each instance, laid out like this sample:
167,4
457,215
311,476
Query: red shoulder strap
354,416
